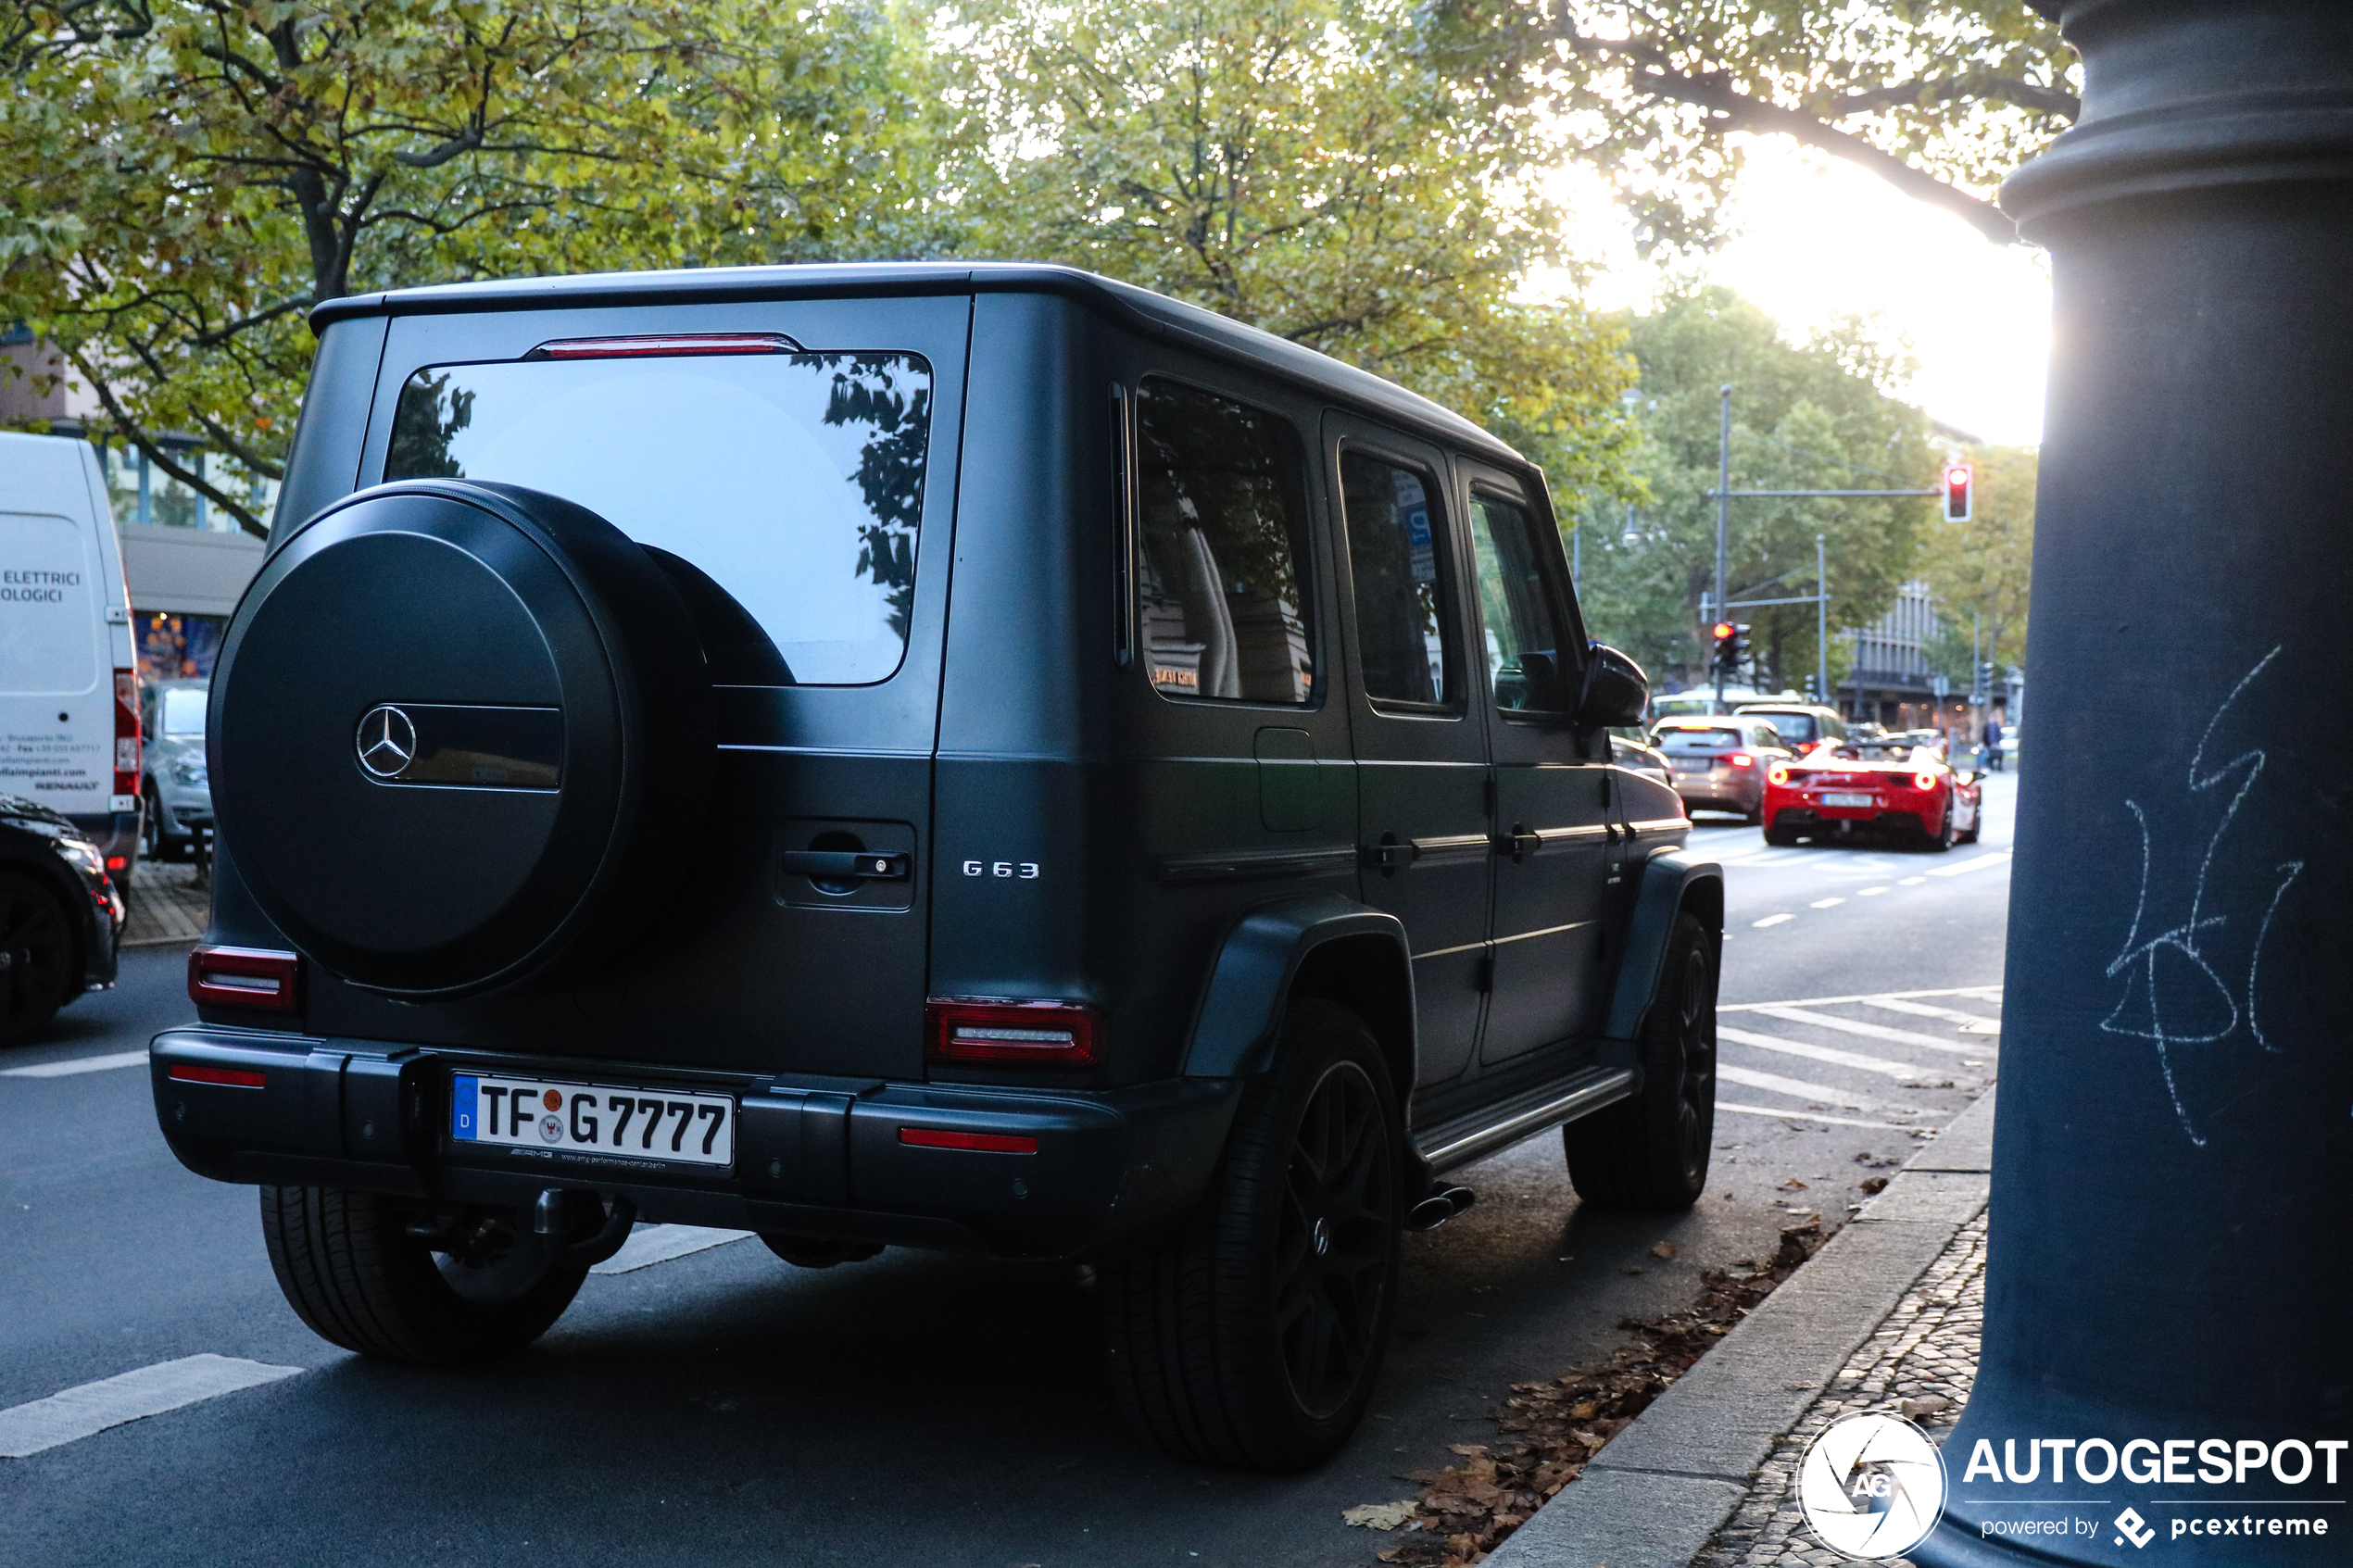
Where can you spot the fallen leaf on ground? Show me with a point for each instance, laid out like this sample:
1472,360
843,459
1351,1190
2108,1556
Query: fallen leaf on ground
1792,1185
1874,1184
1380,1515
1663,1249
1915,1409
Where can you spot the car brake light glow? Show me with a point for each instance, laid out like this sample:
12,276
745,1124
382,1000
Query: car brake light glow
1741,760
1024,1034
1923,781
664,345
985,1143
126,733
244,977
234,1077
1777,775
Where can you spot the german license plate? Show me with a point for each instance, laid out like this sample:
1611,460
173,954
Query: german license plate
1692,764
1847,797
605,1119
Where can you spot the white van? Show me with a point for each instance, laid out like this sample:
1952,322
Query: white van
69,687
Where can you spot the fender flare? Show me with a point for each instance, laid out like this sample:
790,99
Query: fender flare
1242,1006
1672,880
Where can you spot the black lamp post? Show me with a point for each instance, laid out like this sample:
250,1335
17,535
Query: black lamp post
2172,1248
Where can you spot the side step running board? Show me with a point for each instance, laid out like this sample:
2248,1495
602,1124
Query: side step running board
1459,1142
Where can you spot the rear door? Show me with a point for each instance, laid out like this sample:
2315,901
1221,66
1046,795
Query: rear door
1553,830
1420,738
57,688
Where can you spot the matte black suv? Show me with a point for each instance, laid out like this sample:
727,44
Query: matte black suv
973,758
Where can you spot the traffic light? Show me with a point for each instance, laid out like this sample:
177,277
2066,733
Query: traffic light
1731,647
1959,482
1985,678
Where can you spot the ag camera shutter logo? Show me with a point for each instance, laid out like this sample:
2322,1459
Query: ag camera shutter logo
1871,1485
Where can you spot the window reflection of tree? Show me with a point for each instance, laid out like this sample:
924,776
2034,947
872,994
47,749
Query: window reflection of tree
867,392
428,417
1225,609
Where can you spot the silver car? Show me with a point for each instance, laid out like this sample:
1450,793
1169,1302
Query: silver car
1719,764
175,789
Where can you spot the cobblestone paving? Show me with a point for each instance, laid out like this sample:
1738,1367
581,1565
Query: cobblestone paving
1924,1353
164,904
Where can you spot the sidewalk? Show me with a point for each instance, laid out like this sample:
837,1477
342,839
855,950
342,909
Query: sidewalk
1885,1317
165,905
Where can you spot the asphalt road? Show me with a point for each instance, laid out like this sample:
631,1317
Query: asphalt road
722,1407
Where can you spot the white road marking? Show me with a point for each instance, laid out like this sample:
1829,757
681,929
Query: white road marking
1990,993
1869,891
1921,1010
131,1396
77,1064
1999,858
1772,920
1826,903
658,1244
1868,1031
1904,1070
1911,882
1823,1093
1808,1116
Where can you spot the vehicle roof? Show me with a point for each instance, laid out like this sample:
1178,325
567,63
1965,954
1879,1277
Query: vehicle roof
1138,309
1784,707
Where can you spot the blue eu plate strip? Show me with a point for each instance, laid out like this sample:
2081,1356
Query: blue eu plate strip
464,1091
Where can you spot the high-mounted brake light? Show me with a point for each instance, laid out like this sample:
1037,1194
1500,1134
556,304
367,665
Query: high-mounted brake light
1923,781
233,1077
985,1143
664,345
1010,1033
244,977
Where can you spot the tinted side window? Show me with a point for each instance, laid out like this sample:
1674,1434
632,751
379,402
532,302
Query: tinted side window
1397,554
789,486
1521,634
1226,608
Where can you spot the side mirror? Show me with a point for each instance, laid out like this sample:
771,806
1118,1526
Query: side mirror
1616,692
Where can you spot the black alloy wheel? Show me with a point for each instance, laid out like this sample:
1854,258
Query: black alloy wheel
36,957
1651,1151
1251,1336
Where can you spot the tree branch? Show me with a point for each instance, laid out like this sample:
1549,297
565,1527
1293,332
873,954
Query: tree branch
2052,101
137,435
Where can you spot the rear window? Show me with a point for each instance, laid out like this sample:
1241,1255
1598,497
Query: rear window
793,481
181,711
1700,740
1798,727
49,612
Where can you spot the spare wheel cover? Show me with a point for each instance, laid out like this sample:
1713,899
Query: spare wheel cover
448,722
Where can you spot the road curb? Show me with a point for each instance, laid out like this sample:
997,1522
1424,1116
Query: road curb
1658,1493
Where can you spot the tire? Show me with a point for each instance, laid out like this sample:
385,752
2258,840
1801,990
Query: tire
1781,838
38,944
1251,1337
1651,1152
1755,819
1943,841
351,1271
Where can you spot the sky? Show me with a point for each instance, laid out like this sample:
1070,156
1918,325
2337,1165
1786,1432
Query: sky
1816,239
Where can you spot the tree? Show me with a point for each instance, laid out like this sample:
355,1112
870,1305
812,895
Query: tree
194,175
1820,417
1341,173
1939,97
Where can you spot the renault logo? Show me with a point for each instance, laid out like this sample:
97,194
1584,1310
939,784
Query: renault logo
387,740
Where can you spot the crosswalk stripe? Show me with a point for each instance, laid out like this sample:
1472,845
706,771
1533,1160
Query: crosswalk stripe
92,1408
1921,1010
1771,920
1750,1079
1808,1116
658,1244
76,1065
1872,1031
1988,993
1999,857
1902,1070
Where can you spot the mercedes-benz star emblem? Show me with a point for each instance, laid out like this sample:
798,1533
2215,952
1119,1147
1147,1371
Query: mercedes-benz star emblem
387,740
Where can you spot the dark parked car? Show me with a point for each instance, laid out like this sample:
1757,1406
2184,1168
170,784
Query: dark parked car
1719,764
978,757
60,917
176,788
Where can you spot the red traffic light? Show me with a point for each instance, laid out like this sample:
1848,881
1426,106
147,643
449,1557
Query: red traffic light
1958,485
1723,630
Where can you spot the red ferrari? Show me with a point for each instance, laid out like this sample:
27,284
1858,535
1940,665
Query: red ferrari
1842,789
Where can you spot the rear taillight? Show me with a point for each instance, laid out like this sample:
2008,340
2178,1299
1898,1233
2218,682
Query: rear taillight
664,345
244,977
1777,776
126,742
1741,760
1011,1032
985,1143
233,1077
1923,781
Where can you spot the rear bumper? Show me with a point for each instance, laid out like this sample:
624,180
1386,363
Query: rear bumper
1800,818
814,1157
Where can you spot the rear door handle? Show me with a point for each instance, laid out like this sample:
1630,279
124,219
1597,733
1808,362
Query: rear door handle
1523,842
843,863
